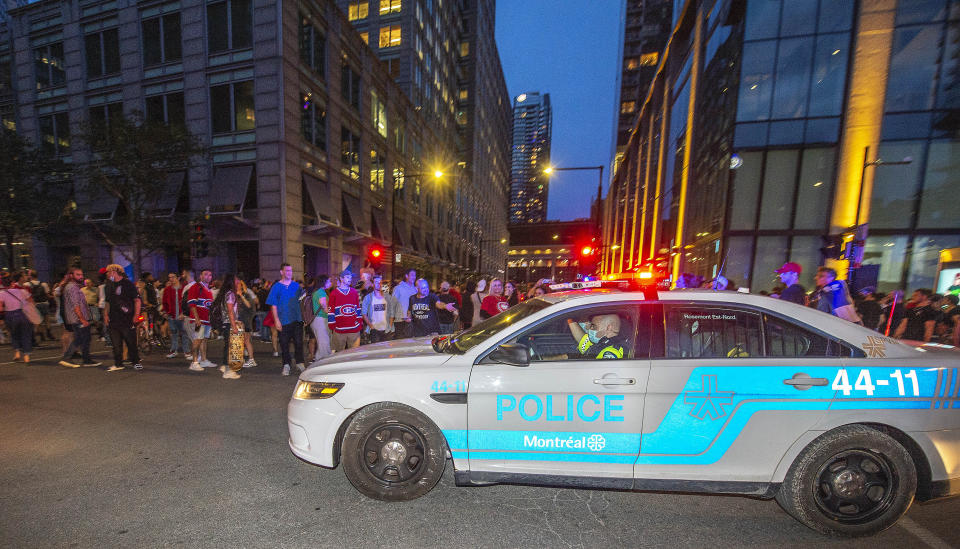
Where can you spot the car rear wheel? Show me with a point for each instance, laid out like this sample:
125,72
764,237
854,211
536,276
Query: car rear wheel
852,481
391,452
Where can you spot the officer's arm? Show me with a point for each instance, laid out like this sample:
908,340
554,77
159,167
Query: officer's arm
575,329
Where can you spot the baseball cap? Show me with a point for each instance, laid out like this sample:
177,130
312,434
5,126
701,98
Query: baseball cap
790,267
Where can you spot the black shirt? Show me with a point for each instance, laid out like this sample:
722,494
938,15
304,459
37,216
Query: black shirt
869,312
121,299
917,317
444,316
794,293
423,312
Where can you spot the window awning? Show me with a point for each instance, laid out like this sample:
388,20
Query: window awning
429,246
353,214
166,201
229,189
378,223
319,194
416,240
101,208
400,234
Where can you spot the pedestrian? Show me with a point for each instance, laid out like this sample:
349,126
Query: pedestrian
921,318
246,306
171,302
447,309
42,296
868,307
230,325
123,306
284,301
345,315
790,276
103,290
76,314
423,310
477,298
199,300
13,296
321,333
466,312
494,303
378,310
402,292
66,337
833,297
92,295
510,292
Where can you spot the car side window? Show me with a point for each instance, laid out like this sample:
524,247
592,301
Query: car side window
786,339
712,332
605,333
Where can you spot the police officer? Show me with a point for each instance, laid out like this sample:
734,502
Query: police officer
601,338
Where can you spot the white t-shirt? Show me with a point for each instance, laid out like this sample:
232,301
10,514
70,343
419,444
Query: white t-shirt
379,313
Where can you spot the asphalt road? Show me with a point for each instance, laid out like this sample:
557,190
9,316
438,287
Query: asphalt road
168,457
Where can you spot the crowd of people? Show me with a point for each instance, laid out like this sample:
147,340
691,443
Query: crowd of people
309,319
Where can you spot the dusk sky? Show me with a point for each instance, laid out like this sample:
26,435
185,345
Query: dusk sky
569,49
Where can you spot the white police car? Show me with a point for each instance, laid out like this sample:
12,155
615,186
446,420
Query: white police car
711,392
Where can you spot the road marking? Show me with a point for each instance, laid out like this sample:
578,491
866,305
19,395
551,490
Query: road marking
34,359
924,535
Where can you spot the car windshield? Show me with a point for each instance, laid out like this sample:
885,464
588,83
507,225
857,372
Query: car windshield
465,340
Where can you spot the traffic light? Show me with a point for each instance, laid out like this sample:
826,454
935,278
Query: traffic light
375,256
587,255
201,248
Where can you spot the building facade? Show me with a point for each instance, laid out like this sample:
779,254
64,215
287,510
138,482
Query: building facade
529,185
547,250
315,152
779,130
444,57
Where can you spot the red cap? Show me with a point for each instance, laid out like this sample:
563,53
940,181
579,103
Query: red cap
103,270
790,267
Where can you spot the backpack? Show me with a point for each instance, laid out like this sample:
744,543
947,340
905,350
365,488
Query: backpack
184,306
306,308
38,294
216,314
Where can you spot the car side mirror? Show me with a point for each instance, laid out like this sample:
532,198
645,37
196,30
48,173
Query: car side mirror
513,354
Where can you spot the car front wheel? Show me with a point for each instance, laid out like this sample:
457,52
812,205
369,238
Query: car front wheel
391,452
851,481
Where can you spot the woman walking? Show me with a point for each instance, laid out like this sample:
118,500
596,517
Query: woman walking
319,324
247,306
12,299
226,302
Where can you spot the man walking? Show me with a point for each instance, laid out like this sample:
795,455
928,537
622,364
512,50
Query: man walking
378,311
344,303
833,297
790,276
123,306
284,302
199,299
403,292
77,315
172,295
423,309
446,308
921,318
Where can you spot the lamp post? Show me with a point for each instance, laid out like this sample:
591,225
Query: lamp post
480,259
599,213
437,174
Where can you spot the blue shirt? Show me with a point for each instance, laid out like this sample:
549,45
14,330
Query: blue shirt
287,301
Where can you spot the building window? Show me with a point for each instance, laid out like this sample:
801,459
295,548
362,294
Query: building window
161,39
231,107
631,63
464,94
229,25
377,170
390,36
103,53
649,59
358,10
350,85
105,115
627,107
55,134
379,113
350,153
390,6
313,47
464,49
165,109
48,62
398,182
313,121
365,36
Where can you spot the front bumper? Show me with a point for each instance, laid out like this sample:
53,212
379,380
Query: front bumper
312,426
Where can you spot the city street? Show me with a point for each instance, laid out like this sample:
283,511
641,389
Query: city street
168,457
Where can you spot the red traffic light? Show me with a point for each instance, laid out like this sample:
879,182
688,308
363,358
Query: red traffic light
586,250
375,253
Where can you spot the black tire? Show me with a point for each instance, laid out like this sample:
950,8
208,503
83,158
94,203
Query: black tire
391,452
851,481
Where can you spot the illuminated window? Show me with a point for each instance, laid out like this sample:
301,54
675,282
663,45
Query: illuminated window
390,36
398,180
358,10
464,49
631,63
390,6
650,59
350,153
377,171
628,107
463,94
365,36
379,113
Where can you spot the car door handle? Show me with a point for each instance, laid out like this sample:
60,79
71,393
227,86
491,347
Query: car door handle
615,381
802,382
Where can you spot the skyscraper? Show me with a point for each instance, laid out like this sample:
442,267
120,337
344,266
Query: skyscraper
532,122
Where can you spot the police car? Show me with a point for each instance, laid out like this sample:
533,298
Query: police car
691,391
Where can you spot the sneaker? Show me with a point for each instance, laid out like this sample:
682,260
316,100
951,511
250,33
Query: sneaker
222,369
69,364
208,364
230,374
138,366
276,353
189,357
91,364
250,364
286,369
114,368
172,355
301,367
196,367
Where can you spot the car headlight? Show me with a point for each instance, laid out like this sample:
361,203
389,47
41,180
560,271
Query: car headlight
309,390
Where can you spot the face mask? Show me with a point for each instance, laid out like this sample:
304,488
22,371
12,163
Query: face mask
591,333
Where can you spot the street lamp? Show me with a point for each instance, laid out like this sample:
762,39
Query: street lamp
596,224
437,174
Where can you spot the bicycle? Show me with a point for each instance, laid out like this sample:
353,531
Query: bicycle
148,337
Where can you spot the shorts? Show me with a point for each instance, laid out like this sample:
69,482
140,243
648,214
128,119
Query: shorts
341,342
202,333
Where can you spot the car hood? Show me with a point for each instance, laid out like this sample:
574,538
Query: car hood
402,353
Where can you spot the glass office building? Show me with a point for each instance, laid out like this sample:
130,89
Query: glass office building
786,130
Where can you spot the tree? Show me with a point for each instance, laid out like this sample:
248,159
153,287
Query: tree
34,193
129,159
